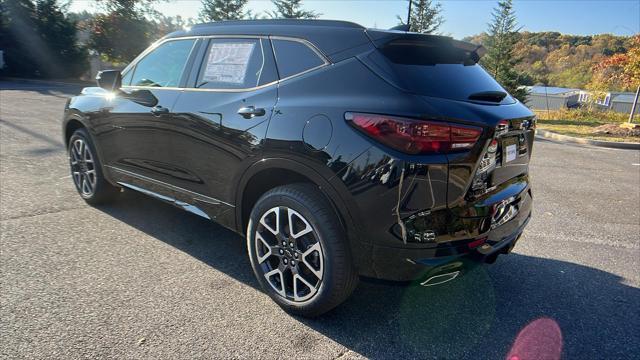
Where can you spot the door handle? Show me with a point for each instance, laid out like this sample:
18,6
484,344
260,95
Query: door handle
249,112
159,110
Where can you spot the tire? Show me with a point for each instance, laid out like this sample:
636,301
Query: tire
316,273
86,170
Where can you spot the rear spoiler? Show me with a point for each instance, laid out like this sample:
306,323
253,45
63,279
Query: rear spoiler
463,51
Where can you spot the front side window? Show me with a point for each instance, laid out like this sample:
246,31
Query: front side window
164,65
294,57
126,77
236,64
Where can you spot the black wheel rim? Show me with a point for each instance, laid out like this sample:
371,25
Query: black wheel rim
289,254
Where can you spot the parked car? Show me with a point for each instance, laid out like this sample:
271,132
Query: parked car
338,152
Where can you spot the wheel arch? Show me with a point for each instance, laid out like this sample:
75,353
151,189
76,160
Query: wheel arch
70,126
75,121
272,172
269,173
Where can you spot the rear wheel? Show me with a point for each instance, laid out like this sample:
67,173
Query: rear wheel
298,250
86,170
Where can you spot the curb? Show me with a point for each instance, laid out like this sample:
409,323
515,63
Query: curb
574,140
50,82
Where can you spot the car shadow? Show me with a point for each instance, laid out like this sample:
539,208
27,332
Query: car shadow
526,306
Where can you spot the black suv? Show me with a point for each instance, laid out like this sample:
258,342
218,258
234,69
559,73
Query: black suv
338,151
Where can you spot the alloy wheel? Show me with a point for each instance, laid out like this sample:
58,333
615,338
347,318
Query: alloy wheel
289,253
83,168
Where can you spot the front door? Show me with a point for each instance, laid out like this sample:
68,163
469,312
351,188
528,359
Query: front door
133,138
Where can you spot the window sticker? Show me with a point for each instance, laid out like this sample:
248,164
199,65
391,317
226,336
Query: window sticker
228,62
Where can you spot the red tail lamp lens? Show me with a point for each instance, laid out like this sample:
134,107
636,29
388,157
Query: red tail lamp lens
475,243
415,136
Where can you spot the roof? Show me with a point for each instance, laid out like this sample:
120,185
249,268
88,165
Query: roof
332,37
623,97
281,22
338,40
550,90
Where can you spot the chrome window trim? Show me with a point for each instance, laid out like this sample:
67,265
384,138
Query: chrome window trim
313,48
134,63
307,43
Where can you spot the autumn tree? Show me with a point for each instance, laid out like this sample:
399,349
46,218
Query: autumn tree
619,71
426,16
501,41
291,9
163,25
218,10
632,67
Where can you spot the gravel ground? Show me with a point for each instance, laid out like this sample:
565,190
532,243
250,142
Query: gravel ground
141,279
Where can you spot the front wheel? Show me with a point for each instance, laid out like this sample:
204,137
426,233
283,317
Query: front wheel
298,250
86,170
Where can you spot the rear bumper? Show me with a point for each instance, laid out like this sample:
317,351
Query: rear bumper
410,263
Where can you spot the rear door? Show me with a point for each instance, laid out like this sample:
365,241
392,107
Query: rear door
222,117
132,135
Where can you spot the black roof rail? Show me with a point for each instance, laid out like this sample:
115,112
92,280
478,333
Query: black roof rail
291,22
402,27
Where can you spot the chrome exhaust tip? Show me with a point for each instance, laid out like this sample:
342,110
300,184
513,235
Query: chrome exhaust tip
440,279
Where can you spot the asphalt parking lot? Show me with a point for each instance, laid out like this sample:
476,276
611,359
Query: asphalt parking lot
142,279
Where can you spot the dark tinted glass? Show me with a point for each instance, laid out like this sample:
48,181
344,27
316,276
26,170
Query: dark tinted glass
294,57
236,64
164,65
438,71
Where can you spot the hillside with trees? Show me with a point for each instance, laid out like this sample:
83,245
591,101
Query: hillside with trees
556,59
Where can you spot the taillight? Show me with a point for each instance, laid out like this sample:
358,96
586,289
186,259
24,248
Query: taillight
415,136
502,128
493,146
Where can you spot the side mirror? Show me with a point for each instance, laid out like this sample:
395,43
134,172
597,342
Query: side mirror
143,97
109,80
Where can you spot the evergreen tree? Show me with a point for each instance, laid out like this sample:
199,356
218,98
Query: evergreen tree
59,33
425,17
40,40
291,9
218,10
17,21
500,60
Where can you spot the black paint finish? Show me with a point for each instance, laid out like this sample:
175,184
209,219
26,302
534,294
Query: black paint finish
192,146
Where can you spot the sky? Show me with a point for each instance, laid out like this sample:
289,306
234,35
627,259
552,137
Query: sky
462,17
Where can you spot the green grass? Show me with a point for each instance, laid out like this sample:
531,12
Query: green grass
582,122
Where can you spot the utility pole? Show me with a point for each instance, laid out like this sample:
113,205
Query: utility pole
630,123
409,15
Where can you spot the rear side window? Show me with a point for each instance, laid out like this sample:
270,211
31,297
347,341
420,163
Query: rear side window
236,64
434,69
295,57
164,65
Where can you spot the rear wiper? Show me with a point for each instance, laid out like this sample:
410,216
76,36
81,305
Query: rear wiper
490,96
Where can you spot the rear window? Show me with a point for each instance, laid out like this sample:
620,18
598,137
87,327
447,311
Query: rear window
236,64
295,57
438,69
